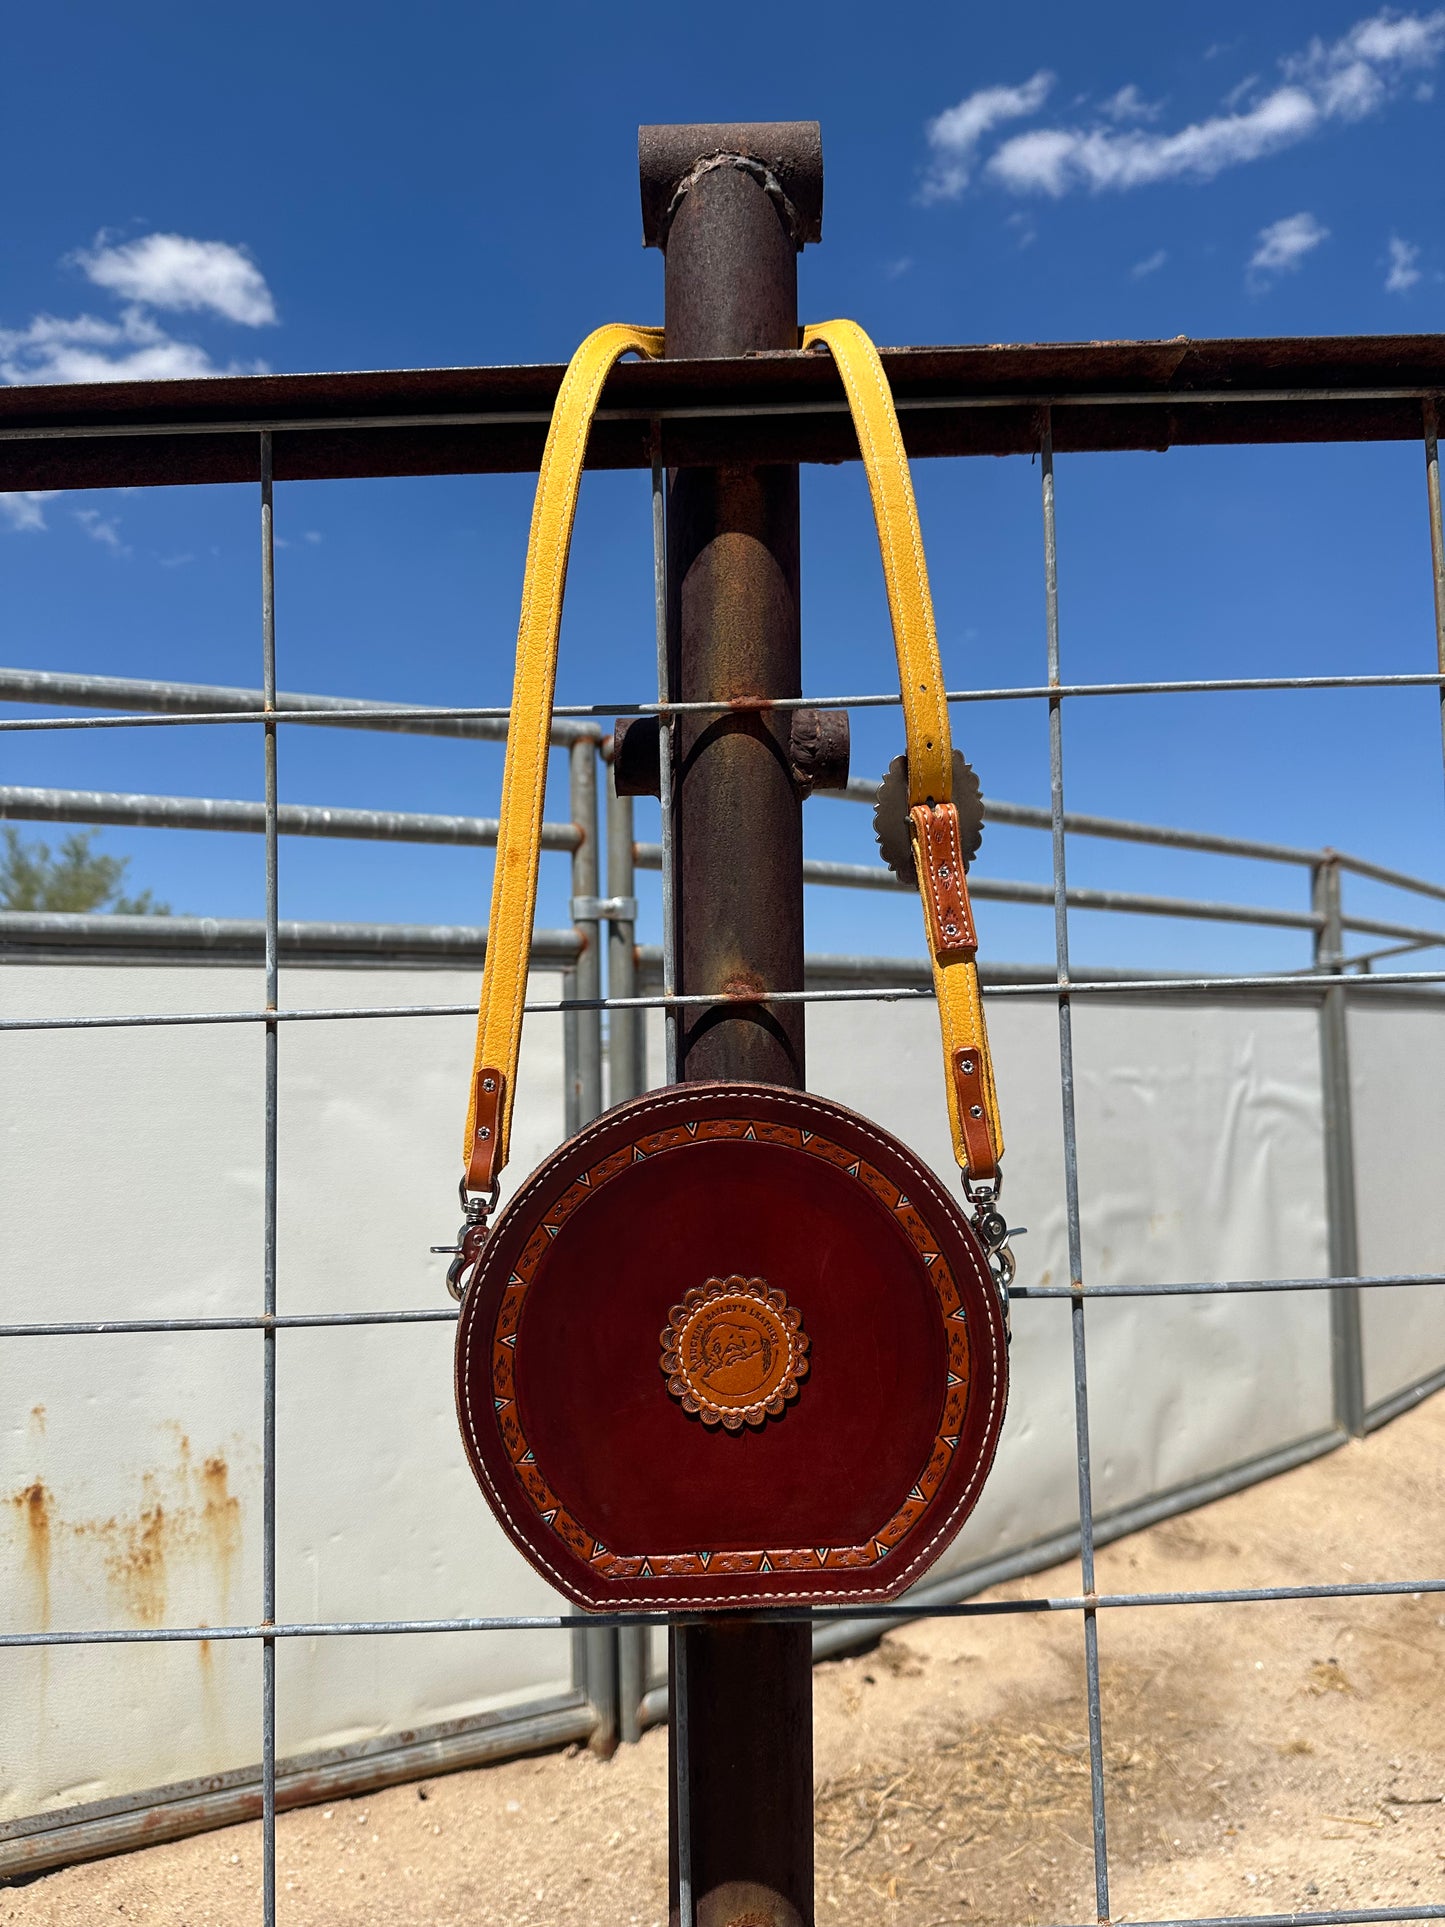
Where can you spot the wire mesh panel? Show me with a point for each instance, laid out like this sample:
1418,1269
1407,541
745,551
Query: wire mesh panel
1368,1303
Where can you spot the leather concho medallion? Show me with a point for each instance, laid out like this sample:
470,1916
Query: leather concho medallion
734,1351
731,1344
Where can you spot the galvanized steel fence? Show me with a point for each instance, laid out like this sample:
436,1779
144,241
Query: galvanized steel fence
134,434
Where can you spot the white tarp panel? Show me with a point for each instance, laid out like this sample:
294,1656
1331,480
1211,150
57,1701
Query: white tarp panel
1397,1076
133,1188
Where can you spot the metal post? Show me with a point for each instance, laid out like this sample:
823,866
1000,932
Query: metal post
626,1077
626,1032
571,1078
595,1647
665,761
1347,1360
586,880
1082,1441
1437,541
268,1337
731,207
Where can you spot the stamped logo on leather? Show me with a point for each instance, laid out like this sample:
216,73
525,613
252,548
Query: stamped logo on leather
733,1352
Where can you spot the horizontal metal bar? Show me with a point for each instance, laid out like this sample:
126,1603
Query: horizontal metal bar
782,408
97,1828
447,1314
1359,957
1398,879
557,1622
185,699
1062,1547
873,876
259,1321
1121,830
209,813
1305,983
1405,1400
663,411
242,939
1331,1917
292,819
1116,829
1219,1288
381,715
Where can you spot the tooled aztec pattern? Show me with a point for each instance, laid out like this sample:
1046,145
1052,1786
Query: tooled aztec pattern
549,1507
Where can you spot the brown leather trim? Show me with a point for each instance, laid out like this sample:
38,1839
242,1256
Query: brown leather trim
482,1165
939,855
973,1113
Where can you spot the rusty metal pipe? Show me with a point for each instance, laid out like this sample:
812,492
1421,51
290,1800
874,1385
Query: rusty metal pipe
731,207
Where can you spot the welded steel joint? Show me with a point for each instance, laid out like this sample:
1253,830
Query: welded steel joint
784,157
818,752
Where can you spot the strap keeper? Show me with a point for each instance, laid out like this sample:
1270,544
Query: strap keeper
484,1159
973,1121
942,881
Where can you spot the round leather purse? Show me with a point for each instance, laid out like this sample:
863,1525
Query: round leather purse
732,1344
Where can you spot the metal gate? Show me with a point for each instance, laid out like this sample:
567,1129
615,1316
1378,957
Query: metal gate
953,402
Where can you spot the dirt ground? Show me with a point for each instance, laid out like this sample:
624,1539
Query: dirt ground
1260,1758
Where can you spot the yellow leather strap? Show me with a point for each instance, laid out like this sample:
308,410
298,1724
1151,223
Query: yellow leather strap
524,779
968,1065
972,1100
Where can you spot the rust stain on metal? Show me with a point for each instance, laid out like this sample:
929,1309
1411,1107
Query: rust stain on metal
221,1520
37,1418
135,1556
33,1505
744,987
187,1516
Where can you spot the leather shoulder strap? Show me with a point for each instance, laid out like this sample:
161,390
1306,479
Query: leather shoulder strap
524,778
948,918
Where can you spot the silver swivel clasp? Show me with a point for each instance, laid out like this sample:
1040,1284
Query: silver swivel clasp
994,1232
472,1235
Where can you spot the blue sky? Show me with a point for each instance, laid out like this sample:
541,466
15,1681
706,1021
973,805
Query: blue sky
196,189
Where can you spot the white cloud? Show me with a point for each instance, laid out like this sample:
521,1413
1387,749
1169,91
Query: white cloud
55,348
1150,265
103,529
1053,160
1283,245
1404,268
156,271
1130,104
175,271
1342,81
955,134
21,510
1240,91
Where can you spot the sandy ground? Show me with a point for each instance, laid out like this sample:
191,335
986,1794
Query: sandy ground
1260,1759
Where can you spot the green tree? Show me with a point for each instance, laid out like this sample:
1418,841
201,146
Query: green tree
74,878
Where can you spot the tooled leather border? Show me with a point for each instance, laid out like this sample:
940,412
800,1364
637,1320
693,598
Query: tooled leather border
615,1570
